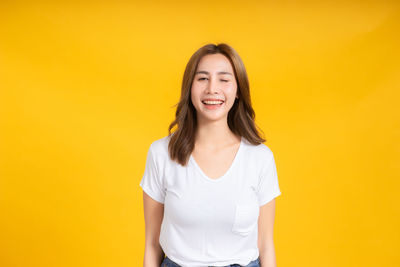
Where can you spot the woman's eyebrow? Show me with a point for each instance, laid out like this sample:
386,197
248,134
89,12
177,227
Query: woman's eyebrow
206,72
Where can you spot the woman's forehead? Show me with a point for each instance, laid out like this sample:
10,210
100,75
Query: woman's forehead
215,63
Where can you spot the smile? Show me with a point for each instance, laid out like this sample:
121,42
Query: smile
212,104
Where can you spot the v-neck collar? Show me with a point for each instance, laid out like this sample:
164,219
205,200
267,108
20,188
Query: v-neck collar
226,173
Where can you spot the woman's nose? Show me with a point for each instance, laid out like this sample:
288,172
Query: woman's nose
212,86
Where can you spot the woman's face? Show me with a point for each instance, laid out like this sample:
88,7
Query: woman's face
214,88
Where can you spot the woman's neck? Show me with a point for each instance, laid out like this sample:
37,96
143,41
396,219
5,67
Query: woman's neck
215,133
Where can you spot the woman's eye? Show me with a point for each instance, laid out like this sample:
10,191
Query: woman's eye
204,78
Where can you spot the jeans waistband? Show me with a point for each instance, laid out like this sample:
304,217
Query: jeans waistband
167,262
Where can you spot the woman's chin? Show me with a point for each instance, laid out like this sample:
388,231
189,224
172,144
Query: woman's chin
213,117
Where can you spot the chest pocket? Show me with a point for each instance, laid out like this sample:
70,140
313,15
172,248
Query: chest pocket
246,218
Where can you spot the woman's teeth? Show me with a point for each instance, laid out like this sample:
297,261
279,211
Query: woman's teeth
213,102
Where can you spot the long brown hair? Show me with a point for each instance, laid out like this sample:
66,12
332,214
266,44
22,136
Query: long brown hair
240,117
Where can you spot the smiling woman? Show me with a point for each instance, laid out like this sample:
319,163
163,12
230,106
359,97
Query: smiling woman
209,186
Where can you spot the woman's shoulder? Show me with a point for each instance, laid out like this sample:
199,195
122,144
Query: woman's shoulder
258,150
160,146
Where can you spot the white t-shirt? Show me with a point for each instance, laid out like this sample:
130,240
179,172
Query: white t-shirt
211,221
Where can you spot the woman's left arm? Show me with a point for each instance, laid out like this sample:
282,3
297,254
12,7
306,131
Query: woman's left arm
265,234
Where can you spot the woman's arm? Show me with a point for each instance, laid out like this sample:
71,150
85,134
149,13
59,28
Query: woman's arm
153,216
265,234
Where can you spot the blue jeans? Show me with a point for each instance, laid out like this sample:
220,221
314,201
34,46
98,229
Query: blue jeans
167,262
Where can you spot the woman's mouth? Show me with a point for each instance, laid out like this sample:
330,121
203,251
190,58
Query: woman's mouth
212,104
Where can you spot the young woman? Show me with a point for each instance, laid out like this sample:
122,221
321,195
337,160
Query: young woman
209,187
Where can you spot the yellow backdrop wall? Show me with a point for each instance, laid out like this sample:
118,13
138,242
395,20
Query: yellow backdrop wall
85,87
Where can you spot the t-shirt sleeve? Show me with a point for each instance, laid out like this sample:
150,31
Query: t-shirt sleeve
151,182
268,187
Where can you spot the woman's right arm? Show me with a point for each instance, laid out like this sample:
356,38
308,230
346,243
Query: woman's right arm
153,216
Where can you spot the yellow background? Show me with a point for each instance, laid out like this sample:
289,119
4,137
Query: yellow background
85,87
